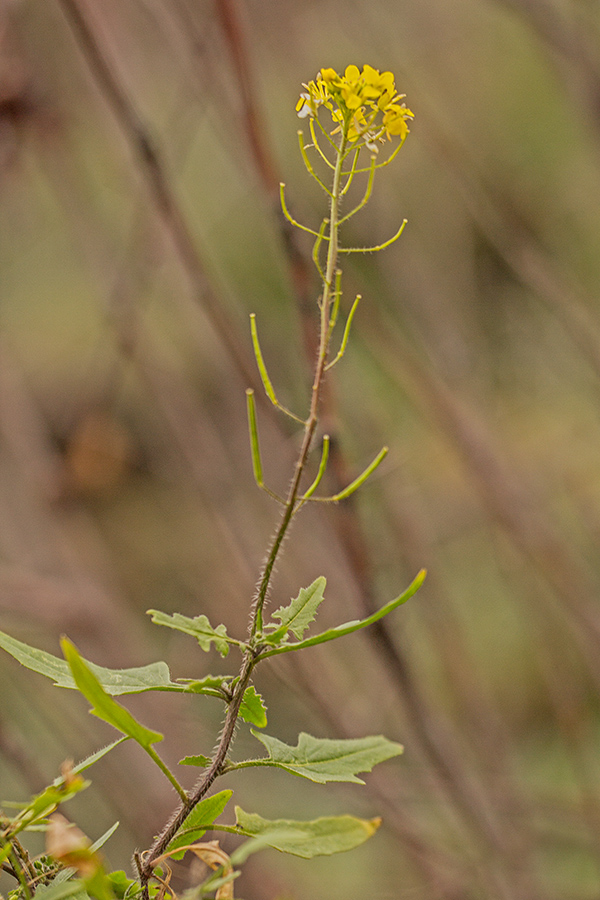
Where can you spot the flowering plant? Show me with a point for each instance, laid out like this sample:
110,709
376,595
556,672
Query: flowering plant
365,110
363,105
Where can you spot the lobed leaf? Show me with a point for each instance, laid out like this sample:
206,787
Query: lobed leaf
299,614
198,627
321,837
198,822
153,677
253,709
103,705
199,760
350,627
210,684
323,760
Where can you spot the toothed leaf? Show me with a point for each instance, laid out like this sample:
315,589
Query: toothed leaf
348,627
198,627
253,709
299,614
201,761
321,837
210,684
323,760
198,821
154,677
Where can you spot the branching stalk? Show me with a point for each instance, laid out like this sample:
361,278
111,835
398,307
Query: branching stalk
322,466
335,306
205,782
367,193
165,769
309,167
290,219
311,422
317,146
351,135
346,334
379,246
358,482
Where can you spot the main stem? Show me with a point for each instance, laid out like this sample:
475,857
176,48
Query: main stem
205,782
313,416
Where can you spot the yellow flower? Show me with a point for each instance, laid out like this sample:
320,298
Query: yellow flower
363,105
329,76
394,120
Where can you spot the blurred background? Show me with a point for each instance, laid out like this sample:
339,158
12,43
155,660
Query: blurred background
141,148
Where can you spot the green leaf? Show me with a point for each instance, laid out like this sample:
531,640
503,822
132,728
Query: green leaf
299,614
210,684
247,849
154,677
121,883
202,761
93,758
199,627
321,837
198,821
350,627
47,801
61,890
99,886
103,705
211,884
323,760
97,845
64,875
253,709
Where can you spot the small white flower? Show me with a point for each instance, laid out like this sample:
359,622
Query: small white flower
303,107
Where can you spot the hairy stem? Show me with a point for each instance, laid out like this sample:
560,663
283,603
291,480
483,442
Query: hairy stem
292,505
205,782
313,417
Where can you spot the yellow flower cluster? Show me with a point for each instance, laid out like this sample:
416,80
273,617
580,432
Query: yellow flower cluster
364,104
